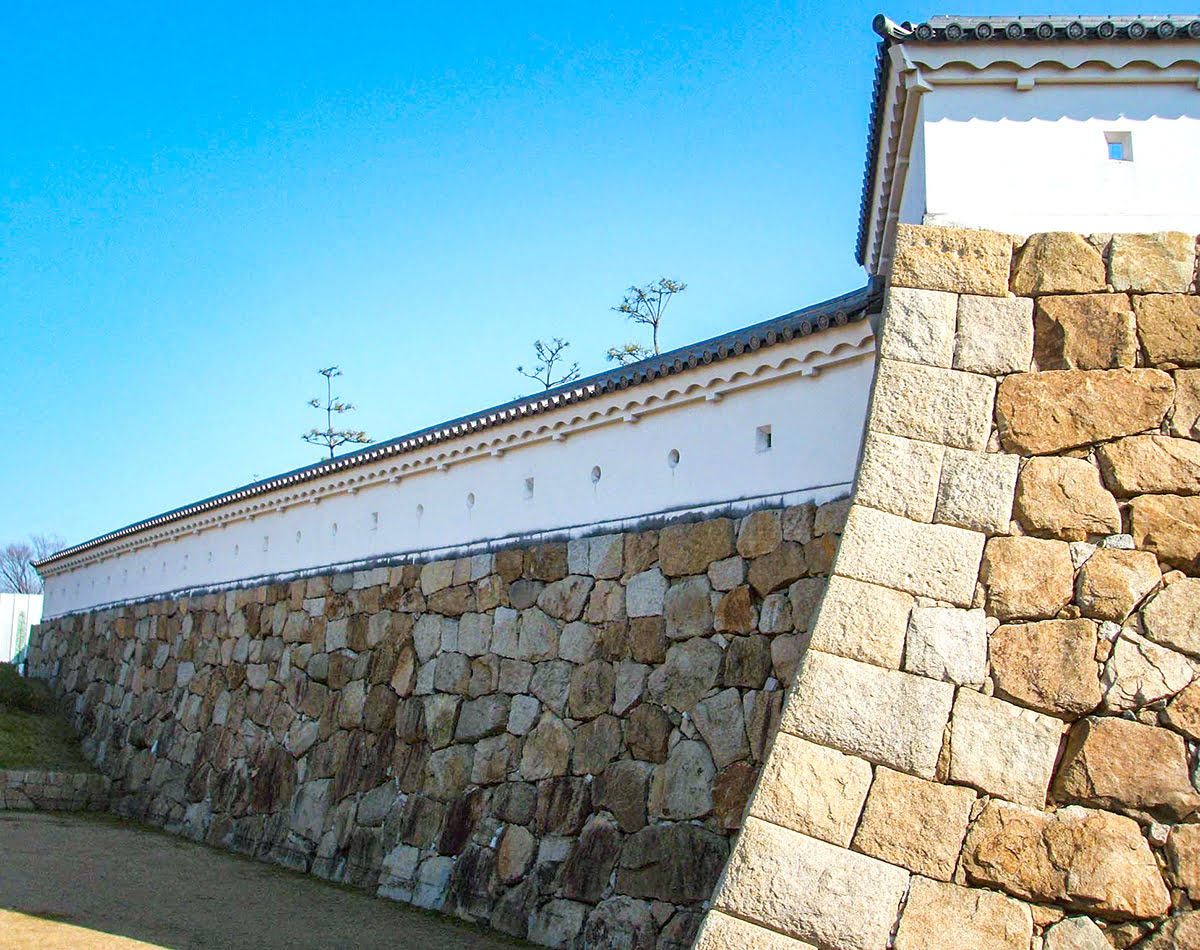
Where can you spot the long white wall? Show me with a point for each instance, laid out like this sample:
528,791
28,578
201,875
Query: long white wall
689,440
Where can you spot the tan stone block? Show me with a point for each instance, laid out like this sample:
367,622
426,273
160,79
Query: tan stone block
1027,578
929,560
1183,712
1064,498
1169,526
1040,413
735,612
1160,263
1001,749
1048,666
777,570
899,475
691,548
1112,582
1076,933
1139,672
1185,414
916,824
1183,853
1085,331
1169,328
862,622
811,890
1128,767
1172,618
947,643
1177,933
722,932
935,405
1057,262
942,916
760,532
995,335
976,490
830,517
957,260
887,717
1087,860
1151,464
918,326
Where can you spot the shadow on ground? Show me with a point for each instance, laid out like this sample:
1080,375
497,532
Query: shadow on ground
96,883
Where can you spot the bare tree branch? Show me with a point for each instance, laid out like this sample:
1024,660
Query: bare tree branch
548,354
17,575
329,437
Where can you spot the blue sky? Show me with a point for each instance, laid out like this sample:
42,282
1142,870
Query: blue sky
201,207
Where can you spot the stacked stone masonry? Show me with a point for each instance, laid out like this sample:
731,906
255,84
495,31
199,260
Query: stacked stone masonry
557,741
992,738
29,790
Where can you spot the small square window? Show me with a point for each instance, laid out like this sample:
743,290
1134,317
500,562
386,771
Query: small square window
762,439
1120,146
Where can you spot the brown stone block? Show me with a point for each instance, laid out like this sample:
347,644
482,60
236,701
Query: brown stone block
691,548
942,916
1169,328
1026,578
1084,331
1168,526
952,259
1048,666
1057,262
1112,582
1185,414
1152,263
1151,464
1064,498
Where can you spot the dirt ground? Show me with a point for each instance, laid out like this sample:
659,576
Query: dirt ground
76,882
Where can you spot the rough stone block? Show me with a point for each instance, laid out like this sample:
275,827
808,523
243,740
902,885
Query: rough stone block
1183,853
956,260
777,570
690,548
760,532
1085,331
1139,672
1172,618
1001,749
689,672
1161,263
995,335
1168,526
811,890
687,608
1041,413
947,643
1169,328
941,916
719,722
1057,262
1048,666
899,475
935,405
1185,414
1064,498
1112,582
1027,578
918,326
1151,464
976,490
812,789
863,622
1076,933
884,716
682,787
929,560
722,932
644,594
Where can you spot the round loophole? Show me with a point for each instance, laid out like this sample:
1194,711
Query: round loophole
420,510
596,473
470,499
673,458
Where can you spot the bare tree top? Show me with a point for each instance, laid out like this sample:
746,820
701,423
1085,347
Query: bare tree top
17,575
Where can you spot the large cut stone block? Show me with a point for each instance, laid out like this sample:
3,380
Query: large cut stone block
1057,262
812,789
947,643
916,824
1002,749
900,476
811,890
863,622
691,548
929,560
722,932
1139,672
956,260
936,405
1112,582
1161,263
995,335
918,326
1085,331
1049,666
1063,498
1185,414
941,916
1026,578
1041,413
1169,527
1172,618
1169,328
884,716
1151,464
976,490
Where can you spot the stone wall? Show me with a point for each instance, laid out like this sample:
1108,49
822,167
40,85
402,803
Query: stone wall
557,741
992,740
33,789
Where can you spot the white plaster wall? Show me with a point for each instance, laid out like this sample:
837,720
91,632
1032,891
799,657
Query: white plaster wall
816,423
998,158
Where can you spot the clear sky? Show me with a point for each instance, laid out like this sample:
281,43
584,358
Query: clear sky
202,205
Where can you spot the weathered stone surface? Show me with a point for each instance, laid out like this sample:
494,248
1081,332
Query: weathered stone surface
688,674
946,643
1169,328
747,662
976,490
995,335
727,574
481,717
1112,582
606,556
1183,712
805,596
719,720
760,532
565,598
1027,578
622,790
1147,464
1001,749
648,639
1185,414
577,643
1085,331
918,326
1088,860
811,890
584,875
436,576
941,916
647,730
935,405
731,791
547,749
1064,498
687,608
556,923
682,788
1178,933
592,686
620,923
930,560
644,594
777,570
885,716
1040,413
1048,666
1172,617
596,744
514,855
523,714
1139,672
722,932
1076,933
1183,853
1057,262
812,789
1168,526
899,475
863,622
956,260
691,548
678,863
1128,767
1160,263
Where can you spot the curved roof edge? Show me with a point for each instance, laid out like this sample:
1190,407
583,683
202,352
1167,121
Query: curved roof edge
837,311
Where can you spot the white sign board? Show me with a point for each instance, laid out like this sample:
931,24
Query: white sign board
18,612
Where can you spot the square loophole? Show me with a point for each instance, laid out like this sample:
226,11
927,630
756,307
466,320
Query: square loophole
1119,145
762,439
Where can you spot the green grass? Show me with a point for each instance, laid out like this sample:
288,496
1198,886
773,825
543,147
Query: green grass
38,741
